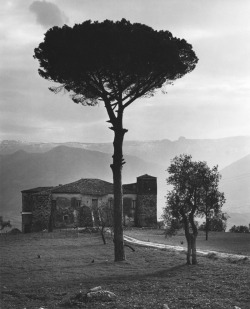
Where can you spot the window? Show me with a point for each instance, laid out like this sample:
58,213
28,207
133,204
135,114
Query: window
65,218
53,204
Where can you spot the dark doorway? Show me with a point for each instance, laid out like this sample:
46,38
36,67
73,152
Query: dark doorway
27,228
95,212
85,217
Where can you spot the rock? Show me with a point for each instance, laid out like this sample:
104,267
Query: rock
236,307
101,295
165,306
95,289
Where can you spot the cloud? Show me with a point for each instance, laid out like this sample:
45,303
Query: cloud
48,14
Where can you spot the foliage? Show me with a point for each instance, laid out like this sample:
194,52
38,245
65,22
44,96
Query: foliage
114,63
194,194
160,224
215,224
103,60
239,229
4,224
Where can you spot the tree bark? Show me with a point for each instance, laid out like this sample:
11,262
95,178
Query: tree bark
207,227
193,236
193,249
103,235
118,202
187,235
51,219
188,238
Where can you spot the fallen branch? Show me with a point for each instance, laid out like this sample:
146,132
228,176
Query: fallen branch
126,245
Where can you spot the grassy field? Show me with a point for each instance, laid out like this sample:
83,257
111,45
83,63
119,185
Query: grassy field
48,270
234,243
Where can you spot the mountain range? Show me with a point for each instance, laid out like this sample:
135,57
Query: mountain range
26,165
222,152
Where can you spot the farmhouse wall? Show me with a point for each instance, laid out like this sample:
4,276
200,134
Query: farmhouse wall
40,212
77,210
26,202
47,206
146,212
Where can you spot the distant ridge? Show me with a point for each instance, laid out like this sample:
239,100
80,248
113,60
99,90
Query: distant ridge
235,183
221,151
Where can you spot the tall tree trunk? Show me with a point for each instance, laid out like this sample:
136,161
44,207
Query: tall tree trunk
118,205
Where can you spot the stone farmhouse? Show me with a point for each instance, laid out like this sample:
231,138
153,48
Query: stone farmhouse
88,203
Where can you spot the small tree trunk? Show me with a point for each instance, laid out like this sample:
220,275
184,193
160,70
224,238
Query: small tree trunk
193,235
50,225
103,234
51,219
188,237
194,257
117,180
207,227
188,250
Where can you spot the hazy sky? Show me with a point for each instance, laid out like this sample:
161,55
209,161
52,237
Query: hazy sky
211,102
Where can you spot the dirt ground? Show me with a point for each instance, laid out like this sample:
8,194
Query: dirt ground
49,270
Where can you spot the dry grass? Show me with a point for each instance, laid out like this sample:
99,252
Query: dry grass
147,279
234,243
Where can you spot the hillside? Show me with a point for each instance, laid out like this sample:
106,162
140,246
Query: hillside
60,165
235,183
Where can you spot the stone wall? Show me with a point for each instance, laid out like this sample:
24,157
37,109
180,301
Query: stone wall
26,202
146,210
66,212
70,210
41,209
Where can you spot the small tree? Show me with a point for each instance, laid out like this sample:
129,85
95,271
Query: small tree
187,199
106,219
114,63
239,229
215,224
4,224
212,199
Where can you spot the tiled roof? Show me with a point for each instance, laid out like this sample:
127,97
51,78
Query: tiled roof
146,176
86,187
36,190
